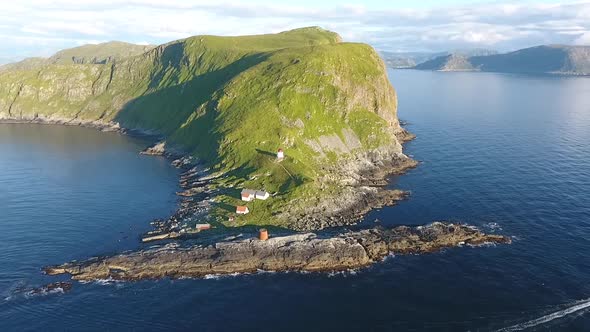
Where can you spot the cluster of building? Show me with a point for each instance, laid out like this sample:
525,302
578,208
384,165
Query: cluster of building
250,195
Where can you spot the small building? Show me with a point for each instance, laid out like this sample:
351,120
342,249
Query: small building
242,209
248,195
202,227
261,194
263,234
280,155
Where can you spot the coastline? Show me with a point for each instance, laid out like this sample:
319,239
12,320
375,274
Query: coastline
102,126
186,205
368,191
304,252
296,252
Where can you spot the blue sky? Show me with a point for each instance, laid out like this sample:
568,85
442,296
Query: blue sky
41,27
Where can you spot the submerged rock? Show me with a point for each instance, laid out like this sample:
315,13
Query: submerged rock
299,252
159,149
54,287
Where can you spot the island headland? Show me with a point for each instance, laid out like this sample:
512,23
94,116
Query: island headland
303,120
230,103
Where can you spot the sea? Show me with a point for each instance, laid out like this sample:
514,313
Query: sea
507,153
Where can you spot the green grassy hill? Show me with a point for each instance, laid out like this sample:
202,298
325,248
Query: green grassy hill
99,53
232,102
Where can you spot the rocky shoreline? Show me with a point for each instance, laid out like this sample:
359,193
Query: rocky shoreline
193,180
99,125
354,200
299,252
360,192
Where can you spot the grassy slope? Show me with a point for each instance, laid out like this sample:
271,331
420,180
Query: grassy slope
232,102
99,53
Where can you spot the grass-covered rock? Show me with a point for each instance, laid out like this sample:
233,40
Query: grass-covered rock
232,102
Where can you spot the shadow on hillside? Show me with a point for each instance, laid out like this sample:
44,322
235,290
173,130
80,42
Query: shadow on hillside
166,110
292,182
266,153
241,172
231,192
225,206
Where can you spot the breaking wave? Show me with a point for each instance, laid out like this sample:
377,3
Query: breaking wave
493,226
575,307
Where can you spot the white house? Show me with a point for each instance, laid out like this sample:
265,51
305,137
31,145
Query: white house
280,154
242,210
261,194
248,195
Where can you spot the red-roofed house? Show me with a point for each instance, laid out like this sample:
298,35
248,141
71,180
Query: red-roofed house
248,195
242,209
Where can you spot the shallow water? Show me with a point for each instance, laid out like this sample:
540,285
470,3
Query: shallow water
508,153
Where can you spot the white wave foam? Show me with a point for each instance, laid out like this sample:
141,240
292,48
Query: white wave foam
103,282
575,307
493,226
345,273
32,293
219,276
186,278
483,244
389,256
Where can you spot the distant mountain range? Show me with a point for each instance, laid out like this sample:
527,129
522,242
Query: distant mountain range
411,59
545,59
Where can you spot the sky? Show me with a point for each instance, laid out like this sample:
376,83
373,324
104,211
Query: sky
42,27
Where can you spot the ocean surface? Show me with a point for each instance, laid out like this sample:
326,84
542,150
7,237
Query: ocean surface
507,153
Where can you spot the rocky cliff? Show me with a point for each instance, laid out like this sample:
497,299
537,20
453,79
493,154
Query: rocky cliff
231,102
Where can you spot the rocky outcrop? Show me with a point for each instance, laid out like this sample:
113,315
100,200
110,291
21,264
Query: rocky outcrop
159,149
360,185
300,252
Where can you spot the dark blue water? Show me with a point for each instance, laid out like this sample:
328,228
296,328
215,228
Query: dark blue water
507,153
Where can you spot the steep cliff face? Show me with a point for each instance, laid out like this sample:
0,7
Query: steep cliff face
232,102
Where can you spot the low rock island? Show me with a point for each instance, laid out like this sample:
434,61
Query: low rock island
300,252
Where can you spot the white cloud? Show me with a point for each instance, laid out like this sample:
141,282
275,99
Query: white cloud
583,39
36,25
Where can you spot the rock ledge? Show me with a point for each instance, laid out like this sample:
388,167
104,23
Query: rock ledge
299,252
